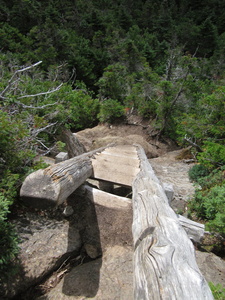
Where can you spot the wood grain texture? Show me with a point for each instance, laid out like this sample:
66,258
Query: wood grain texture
164,257
118,164
51,186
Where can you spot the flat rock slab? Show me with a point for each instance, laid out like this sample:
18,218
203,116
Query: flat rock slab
212,267
108,278
45,245
175,172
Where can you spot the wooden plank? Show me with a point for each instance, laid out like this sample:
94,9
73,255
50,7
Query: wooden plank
118,159
194,230
118,164
164,257
111,171
105,199
122,151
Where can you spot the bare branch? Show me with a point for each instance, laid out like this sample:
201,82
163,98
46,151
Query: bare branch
36,107
37,131
57,70
48,149
43,93
29,67
11,80
193,143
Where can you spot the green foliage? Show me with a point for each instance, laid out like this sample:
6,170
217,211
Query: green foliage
217,290
30,116
113,82
9,246
8,238
218,223
214,202
204,120
215,177
13,135
197,171
77,109
213,155
209,201
110,111
136,90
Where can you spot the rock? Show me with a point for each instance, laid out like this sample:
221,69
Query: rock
175,172
169,190
43,249
90,137
61,156
68,211
212,267
109,277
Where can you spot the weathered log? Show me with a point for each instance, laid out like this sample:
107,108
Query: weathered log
51,186
164,257
194,230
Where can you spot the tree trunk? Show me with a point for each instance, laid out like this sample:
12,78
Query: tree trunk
73,145
164,257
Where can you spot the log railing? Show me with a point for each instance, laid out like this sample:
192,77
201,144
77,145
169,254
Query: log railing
164,257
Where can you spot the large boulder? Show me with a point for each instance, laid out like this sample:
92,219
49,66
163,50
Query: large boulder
212,267
109,277
45,245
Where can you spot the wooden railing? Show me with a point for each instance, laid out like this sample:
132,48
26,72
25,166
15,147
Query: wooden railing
164,257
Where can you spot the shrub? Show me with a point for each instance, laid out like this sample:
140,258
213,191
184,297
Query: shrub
8,238
197,171
209,201
213,155
214,202
217,290
8,245
216,177
218,224
110,110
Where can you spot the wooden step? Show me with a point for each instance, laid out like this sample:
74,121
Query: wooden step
118,164
117,159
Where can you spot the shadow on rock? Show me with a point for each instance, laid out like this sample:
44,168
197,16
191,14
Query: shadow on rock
83,280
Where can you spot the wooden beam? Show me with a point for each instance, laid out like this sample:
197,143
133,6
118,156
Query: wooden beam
105,199
164,257
194,230
51,186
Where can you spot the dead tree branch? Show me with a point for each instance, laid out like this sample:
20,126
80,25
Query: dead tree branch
12,81
43,93
197,147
